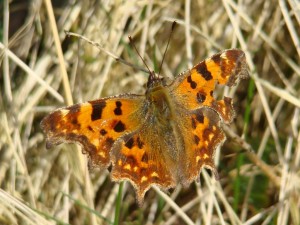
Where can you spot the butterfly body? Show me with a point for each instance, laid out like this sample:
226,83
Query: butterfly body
162,138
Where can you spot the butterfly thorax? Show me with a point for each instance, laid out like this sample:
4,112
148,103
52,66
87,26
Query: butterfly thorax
158,97
161,117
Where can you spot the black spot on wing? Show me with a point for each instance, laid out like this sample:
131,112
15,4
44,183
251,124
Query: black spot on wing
193,84
201,97
145,158
103,132
118,110
129,143
74,121
139,143
109,142
119,127
200,117
202,69
216,58
97,109
90,128
194,123
196,139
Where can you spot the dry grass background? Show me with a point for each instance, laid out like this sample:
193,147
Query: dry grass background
43,69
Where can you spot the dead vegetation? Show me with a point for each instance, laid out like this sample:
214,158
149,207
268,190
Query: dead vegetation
43,69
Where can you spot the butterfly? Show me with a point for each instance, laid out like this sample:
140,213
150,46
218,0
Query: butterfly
164,137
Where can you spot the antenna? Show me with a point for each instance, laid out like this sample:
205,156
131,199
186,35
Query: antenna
97,45
160,67
132,44
171,32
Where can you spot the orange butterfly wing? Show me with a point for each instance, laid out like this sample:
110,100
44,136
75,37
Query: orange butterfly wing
96,125
114,130
193,91
195,87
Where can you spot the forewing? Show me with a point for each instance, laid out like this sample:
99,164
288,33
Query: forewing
195,87
96,125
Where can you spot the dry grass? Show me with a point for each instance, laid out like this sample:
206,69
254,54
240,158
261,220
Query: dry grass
43,69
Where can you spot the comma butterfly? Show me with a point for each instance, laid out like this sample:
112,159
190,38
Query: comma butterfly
162,138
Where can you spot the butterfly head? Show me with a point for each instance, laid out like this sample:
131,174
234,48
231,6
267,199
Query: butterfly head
154,80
